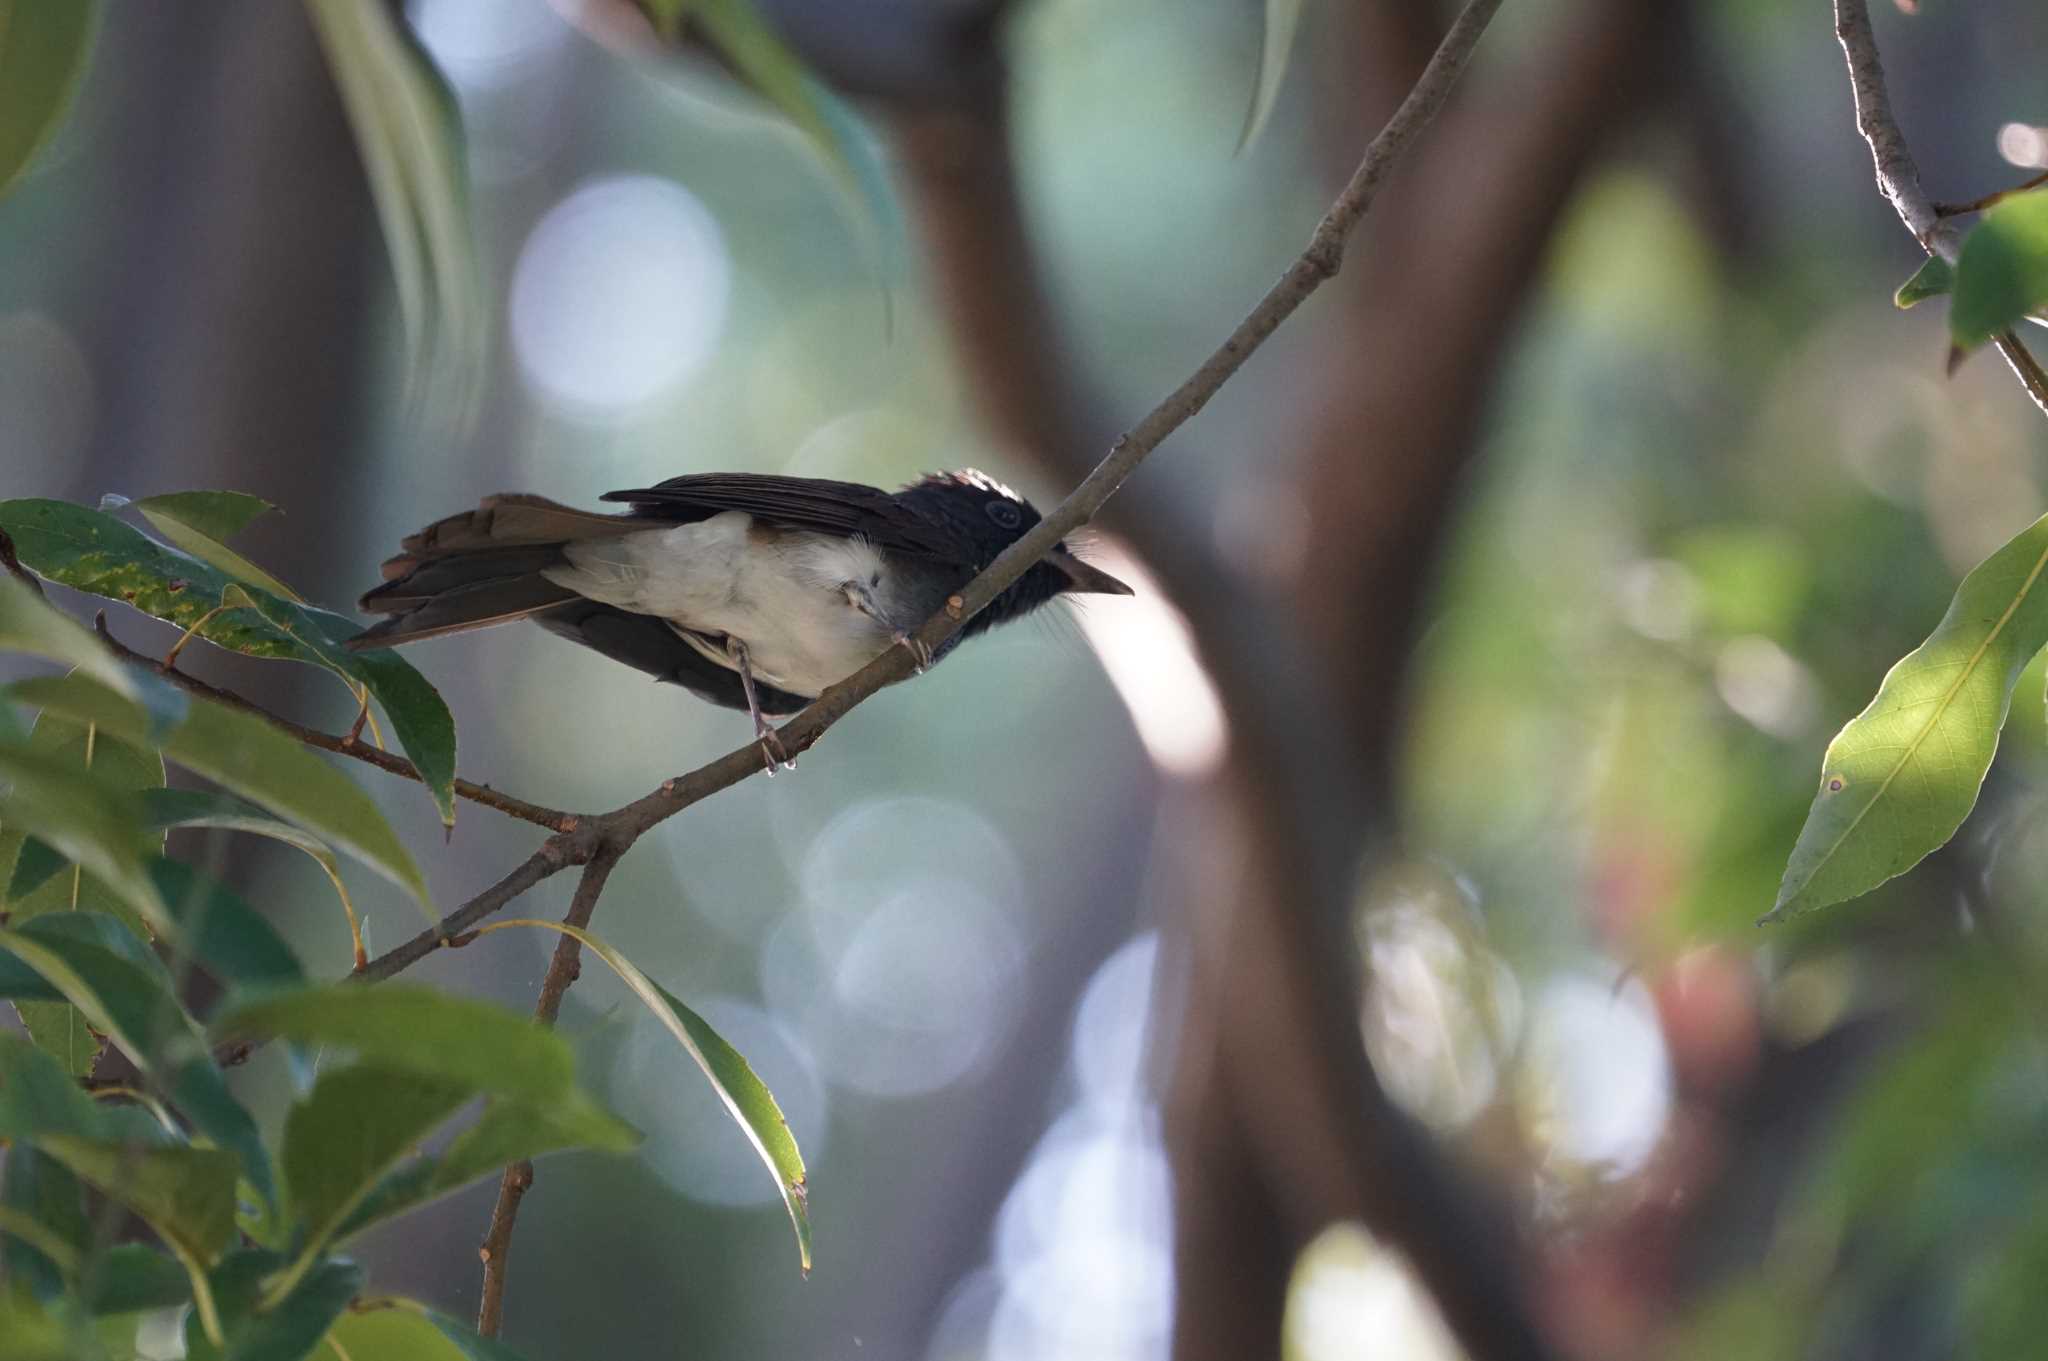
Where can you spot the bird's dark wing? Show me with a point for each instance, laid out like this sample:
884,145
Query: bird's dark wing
648,644
813,503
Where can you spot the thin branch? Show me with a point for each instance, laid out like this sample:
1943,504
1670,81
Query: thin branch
557,854
1990,200
517,1180
1898,176
554,819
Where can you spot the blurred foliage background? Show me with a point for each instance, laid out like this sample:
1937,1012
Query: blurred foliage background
1721,484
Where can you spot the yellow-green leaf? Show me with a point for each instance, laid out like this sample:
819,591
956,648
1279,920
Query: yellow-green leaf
43,49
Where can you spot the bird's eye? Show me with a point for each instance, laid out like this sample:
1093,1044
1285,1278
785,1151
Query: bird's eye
1005,514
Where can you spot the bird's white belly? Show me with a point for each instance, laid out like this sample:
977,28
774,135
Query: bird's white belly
782,594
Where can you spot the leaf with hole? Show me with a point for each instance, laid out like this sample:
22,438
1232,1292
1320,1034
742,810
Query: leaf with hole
44,45
90,551
253,758
748,1100
1898,781
2002,272
200,522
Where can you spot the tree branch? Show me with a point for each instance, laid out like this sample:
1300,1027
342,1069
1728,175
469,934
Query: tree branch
1898,175
517,1180
553,819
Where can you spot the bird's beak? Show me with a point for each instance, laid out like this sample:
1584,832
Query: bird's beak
1083,579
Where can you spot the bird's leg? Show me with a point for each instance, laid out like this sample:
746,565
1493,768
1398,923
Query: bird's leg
772,749
920,652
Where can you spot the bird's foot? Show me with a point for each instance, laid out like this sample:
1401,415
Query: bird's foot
920,652
773,752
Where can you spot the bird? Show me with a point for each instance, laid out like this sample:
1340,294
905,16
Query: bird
750,590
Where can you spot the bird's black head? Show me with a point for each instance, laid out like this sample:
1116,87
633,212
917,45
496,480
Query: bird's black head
984,517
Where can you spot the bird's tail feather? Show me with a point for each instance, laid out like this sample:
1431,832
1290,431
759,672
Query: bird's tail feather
479,568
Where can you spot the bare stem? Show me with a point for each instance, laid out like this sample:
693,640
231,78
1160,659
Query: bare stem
1898,176
517,1180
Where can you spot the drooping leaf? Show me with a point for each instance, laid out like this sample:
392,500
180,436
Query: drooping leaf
257,1327
43,49
745,1096
358,1124
186,1194
91,821
172,808
201,522
1901,777
1276,42
416,1029
103,760
408,129
2002,273
254,759
405,1330
1931,280
506,1132
97,553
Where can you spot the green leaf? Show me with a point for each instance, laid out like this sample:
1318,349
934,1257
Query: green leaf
358,1123
2002,273
38,1097
200,521
258,1329
1276,42
746,1097
43,1193
131,1278
168,808
414,1028
28,623
91,821
1901,777
1931,280
43,49
103,760
404,1330
408,128
94,552
506,1132
186,1194
235,942
249,756
27,1333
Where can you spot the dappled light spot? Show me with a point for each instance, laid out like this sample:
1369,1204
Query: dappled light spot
1595,1086
619,294
483,43
1352,1300
1149,652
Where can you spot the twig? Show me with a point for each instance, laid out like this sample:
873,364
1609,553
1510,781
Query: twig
517,1180
1991,200
555,855
554,819
12,563
1898,176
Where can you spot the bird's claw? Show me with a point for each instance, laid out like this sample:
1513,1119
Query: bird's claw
920,651
773,752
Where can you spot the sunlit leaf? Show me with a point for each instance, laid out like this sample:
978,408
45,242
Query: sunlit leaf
1276,42
43,49
404,1330
408,130
200,522
1901,777
27,1333
2002,274
746,1097
252,758
90,551
1931,280
506,1132
416,1029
